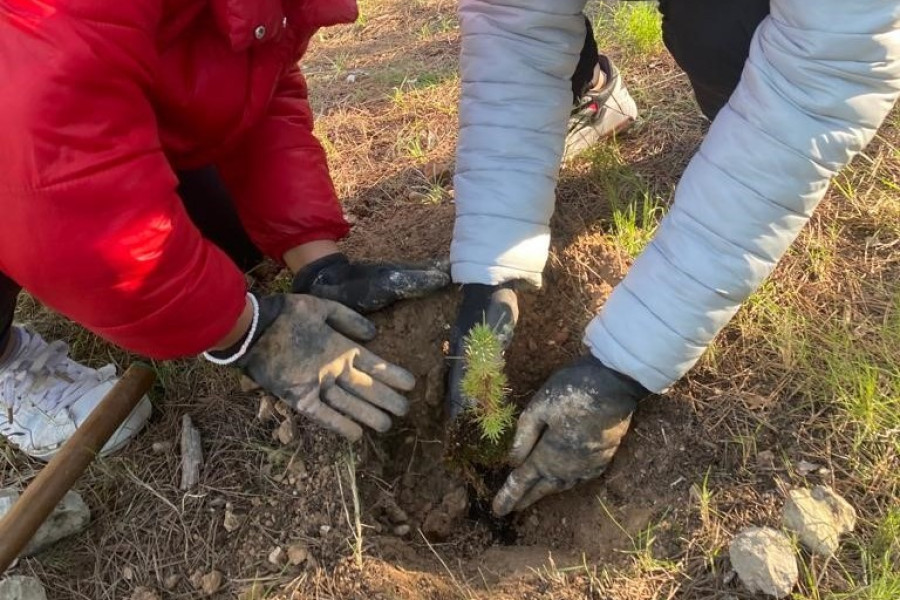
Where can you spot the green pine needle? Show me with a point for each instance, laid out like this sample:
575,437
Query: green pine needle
485,382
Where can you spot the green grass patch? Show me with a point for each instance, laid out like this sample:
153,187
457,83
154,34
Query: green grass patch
634,224
635,27
636,209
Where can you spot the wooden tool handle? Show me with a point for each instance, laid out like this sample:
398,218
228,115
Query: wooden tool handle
51,484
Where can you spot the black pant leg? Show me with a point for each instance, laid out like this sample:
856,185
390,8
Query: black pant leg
583,78
710,40
212,210
9,293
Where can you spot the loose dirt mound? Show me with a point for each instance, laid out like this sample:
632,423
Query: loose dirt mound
714,455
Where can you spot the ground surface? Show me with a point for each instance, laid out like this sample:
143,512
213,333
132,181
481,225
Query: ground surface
804,386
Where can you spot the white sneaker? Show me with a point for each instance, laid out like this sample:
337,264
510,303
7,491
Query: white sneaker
45,396
600,113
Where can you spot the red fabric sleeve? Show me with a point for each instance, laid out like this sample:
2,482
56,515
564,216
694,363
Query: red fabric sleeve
91,223
279,176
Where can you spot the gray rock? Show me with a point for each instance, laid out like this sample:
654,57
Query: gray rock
22,588
70,517
819,517
764,561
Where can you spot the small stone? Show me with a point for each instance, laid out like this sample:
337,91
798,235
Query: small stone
266,410
231,521
804,468
276,556
392,510
22,588
819,517
764,561
297,554
161,448
128,573
218,502
402,530
197,579
144,593
171,581
297,468
765,460
324,530
211,583
71,516
285,431
351,78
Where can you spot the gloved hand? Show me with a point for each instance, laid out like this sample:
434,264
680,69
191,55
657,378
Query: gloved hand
367,287
303,352
496,306
569,432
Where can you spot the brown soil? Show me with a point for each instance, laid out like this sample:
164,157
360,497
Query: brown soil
617,537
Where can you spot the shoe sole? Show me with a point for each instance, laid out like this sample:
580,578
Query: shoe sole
624,126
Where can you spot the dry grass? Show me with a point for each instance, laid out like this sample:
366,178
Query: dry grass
808,371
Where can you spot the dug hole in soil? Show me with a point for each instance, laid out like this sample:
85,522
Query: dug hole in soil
405,475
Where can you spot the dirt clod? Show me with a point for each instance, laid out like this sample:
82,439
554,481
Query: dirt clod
144,593
765,561
171,581
266,411
231,521
819,516
297,554
196,579
440,522
765,460
285,432
211,583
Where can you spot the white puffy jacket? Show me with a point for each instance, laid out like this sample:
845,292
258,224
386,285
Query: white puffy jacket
821,77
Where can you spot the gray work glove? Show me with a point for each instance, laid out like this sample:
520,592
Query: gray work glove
495,305
367,287
569,432
305,354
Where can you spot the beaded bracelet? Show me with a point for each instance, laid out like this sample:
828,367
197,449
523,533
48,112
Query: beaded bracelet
247,340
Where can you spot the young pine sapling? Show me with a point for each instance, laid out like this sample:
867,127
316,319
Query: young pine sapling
485,384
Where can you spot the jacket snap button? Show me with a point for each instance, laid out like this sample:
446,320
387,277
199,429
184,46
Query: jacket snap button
260,32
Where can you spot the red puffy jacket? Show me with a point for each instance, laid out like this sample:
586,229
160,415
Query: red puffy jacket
100,101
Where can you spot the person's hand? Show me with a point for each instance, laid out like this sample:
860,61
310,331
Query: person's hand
495,306
304,353
367,287
569,432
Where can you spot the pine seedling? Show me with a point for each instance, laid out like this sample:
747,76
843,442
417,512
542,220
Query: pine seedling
485,383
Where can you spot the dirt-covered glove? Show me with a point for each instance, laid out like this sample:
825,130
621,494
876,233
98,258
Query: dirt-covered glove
367,287
496,306
569,432
304,353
